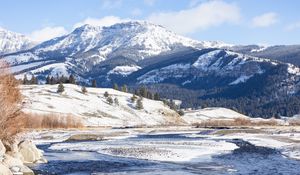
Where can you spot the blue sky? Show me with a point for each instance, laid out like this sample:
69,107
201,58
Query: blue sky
232,21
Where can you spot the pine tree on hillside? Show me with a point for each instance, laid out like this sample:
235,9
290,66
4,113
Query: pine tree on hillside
94,83
116,101
156,96
143,92
62,79
124,88
83,90
48,80
115,86
72,79
139,104
180,112
136,92
25,79
110,100
60,88
106,94
150,95
33,80
172,105
52,80
133,98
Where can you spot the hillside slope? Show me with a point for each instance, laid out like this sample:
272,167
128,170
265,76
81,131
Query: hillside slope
93,107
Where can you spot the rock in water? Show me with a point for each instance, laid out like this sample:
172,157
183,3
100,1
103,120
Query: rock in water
30,152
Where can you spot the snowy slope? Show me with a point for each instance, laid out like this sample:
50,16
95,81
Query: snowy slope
13,42
93,107
196,116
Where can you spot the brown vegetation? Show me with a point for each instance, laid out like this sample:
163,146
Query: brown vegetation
11,121
51,121
237,122
294,122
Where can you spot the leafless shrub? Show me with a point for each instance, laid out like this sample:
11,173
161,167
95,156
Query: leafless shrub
242,122
52,121
294,122
236,122
11,119
266,122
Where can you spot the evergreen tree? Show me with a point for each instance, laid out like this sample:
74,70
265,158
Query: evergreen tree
139,104
133,98
48,80
172,105
60,88
143,91
136,92
150,95
180,112
25,79
62,79
156,96
52,80
72,79
106,94
83,90
33,80
116,101
115,86
124,88
110,100
94,83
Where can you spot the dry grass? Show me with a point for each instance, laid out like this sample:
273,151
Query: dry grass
11,119
294,122
266,122
52,121
237,122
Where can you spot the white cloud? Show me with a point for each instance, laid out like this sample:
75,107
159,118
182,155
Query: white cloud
136,12
193,3
149,2
203,16
105,21
110,4
293,26
47,33
265,20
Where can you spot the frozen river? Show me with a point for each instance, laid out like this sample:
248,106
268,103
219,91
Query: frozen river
165,153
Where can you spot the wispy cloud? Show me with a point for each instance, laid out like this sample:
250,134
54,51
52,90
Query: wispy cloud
47,33
111,4
194,3
203,16
265,20
149,2
293,26
136,12
105,21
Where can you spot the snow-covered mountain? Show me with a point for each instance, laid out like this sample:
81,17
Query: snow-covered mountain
140,53
13,42
233,68
88,48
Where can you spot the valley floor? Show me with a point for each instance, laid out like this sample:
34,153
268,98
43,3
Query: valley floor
176,150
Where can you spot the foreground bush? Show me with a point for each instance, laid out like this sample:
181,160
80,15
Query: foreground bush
51,121
11,119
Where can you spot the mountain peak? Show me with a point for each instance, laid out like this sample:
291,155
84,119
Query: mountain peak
13,42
